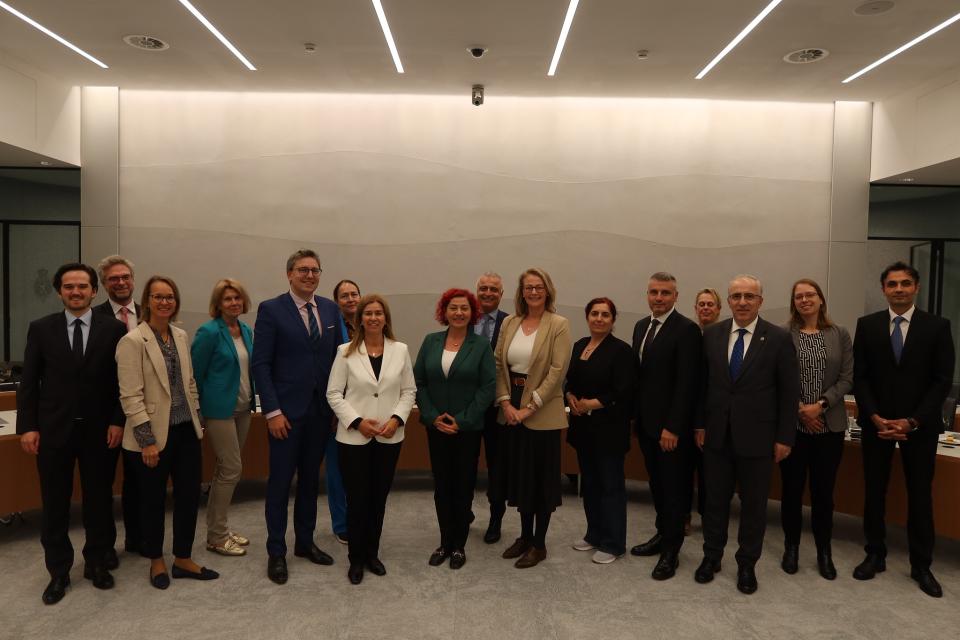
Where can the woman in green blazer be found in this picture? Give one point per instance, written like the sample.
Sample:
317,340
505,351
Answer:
221,364
456,378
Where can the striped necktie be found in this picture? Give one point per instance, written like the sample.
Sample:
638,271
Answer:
314,329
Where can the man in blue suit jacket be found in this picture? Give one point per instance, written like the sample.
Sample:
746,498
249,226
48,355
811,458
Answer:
295,341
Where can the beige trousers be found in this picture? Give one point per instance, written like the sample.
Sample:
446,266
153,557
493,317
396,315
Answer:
227,438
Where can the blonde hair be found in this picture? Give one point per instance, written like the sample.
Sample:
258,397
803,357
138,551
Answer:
219,289
521,304
360,333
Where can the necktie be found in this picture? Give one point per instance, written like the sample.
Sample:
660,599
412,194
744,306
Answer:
314,329
650,336
488,328
736,358
125,317
896,338
78,339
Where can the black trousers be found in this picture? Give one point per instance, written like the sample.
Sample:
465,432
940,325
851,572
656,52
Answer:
492,439
819,456
55,465
453,460
695,468
367,472
129,502
724,470
918,454
604,498
180,461
669,484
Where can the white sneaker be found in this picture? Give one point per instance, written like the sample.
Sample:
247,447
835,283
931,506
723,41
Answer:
583,545
602,557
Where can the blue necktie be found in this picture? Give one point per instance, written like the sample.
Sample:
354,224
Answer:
736,358
314,329
896,338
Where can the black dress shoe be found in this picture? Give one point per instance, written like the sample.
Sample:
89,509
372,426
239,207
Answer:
872,565
825,565
99,576
667,566
355,573
791,559
110,560
56,589
746,579
277,569
708,567
457,559
160,581
492,534
313,554
376,567
438,557
203,574
928,584
649,548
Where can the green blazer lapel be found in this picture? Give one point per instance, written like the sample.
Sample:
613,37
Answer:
225,334
463,354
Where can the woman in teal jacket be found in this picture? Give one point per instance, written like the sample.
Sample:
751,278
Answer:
456,381
221,363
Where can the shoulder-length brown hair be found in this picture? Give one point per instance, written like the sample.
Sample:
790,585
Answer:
145,297
360,333
521,304
220,288
796,320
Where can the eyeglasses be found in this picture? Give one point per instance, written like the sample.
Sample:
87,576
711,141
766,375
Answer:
124,278
746,297
309,271
533,288
810,295
156,297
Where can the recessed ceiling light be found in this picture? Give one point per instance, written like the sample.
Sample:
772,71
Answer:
44,163
147,43
907,179
940,27
564,30
874,8
212,29
740,36
388,36
36,25
806,56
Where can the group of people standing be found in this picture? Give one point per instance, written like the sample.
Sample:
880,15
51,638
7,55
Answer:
714,404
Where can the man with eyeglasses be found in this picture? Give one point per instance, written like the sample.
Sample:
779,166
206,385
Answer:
116,277
489,294
68,412
748,422
295,341
902,372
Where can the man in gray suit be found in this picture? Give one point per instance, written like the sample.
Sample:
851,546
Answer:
749,420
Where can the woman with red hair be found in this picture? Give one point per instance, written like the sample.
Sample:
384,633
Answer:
456,377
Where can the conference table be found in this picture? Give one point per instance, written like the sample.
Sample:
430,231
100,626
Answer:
20,490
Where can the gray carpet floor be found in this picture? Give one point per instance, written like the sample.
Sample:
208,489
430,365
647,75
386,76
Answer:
567,596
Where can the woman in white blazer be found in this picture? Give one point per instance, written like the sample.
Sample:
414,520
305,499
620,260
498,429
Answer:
161,439
372,391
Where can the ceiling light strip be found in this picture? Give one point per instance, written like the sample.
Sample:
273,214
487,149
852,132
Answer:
388,36
943,25
36,25
740,36
212,29
571,11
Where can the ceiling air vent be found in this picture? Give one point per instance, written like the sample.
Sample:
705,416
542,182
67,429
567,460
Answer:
805,56
147,43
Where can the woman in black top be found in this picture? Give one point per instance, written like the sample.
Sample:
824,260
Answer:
600,384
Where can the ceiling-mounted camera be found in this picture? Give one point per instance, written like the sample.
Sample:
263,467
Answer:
477,95
477,52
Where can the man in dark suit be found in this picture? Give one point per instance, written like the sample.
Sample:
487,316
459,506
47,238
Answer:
903,369
68,411
667,346
116,277
295,341
749,406
489,294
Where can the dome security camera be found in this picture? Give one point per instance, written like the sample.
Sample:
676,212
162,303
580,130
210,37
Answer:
477,52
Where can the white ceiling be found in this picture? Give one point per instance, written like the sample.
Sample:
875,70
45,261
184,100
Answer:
433,35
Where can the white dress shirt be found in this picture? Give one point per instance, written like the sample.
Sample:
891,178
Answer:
747,337
905,324
660,320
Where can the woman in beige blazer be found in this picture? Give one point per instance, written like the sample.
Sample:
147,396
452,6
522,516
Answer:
371,390
161,439
532,355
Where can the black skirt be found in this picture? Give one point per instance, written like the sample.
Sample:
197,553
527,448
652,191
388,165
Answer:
530,464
